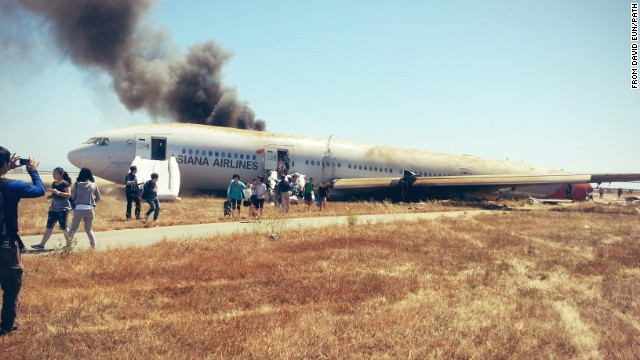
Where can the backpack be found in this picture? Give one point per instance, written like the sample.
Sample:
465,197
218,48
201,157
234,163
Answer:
147,190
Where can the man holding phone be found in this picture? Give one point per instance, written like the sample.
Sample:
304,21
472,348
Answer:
11,246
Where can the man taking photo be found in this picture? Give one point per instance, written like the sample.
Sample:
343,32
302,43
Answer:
11,247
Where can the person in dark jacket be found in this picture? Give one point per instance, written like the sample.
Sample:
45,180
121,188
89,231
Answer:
132,190
150,194
11,268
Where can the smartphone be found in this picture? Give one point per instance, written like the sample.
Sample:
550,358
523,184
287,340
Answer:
24,162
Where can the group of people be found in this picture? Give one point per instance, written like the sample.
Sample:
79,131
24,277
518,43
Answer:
82,197
255,193
239,194
83,194
149,193
65,195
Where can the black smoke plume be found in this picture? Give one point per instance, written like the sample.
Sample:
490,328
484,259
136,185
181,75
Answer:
147,73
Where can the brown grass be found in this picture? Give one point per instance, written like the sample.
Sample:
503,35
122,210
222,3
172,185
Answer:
517,285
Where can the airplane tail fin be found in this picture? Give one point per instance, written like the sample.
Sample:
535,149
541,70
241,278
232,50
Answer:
168,176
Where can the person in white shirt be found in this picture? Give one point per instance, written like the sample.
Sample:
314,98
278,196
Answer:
260,192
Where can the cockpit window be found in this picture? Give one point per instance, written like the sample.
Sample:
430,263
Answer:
100,141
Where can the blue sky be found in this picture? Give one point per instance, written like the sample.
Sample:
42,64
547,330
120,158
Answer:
543,82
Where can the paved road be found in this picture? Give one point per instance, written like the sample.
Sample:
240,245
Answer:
147,236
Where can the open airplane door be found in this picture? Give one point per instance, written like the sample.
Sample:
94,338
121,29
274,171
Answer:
270,158
168,176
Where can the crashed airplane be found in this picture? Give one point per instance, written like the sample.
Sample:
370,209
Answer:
206,157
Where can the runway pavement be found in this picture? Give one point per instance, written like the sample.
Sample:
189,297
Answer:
147,236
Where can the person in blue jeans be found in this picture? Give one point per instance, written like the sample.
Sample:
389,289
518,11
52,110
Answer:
11,246
150,194
132,192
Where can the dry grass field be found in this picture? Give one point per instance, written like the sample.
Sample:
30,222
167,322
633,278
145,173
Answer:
520,284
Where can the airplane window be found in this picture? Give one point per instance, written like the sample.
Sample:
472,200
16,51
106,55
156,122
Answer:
339,165
229,155
222,154
235,156
190,151
359,167
242,156
375,168
333,164
184,151
349,166
197,152
217,154
210,153
90,141
254,157
104,142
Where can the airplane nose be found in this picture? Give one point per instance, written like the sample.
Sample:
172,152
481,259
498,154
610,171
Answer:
76,157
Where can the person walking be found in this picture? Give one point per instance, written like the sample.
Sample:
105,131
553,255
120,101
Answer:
132,190
309,186
11,246
234,195
150,195
85,194
323,193
60,206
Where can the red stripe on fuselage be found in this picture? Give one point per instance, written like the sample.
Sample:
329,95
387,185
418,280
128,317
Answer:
580,192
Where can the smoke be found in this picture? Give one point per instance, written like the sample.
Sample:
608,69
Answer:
147,73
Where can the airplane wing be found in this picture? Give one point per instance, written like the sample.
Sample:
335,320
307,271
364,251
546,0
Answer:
478,182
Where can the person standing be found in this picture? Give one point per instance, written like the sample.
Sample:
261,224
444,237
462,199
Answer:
287,163
284,188
150,194
132,190
234,194
323,194
85,194
11,246
60,206
260,193
308,192
281,169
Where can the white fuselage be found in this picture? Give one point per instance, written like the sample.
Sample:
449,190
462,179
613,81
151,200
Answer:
208,156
